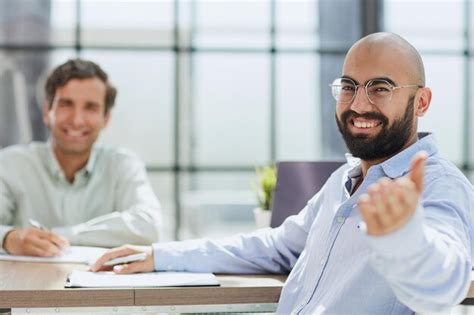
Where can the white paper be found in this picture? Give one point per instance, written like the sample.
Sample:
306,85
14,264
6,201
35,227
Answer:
86,279
72,254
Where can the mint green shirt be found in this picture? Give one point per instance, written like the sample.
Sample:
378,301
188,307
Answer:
109,203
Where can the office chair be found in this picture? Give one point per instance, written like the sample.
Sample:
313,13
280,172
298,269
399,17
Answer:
296,183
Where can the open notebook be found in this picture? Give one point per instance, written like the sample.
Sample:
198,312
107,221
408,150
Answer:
108,279
70,255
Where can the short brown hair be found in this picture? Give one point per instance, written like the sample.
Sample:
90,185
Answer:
78,69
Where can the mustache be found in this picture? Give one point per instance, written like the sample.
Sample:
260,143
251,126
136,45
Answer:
350,114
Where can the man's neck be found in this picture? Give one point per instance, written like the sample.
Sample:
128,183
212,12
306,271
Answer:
71,163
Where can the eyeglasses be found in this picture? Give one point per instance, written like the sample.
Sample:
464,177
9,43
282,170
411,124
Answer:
378,91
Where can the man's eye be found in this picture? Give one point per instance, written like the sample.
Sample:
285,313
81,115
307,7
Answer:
92,107
381,90
347,88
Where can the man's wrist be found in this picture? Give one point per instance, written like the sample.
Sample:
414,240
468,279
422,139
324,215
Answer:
5,239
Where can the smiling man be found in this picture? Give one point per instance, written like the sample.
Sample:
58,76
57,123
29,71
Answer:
389,233
69,190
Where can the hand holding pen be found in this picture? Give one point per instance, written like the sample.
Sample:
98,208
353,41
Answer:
34,241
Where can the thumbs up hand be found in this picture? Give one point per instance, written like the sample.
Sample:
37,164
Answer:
389,204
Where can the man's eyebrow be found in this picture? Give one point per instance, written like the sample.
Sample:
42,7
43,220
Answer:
376,79
65,100
385,79
92,103
349,78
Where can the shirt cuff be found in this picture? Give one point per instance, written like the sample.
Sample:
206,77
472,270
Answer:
3,231
406,241
174,256
68,232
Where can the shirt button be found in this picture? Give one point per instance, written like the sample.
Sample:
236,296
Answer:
322,262
340,219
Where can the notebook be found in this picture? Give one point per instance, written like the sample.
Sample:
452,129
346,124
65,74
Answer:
108,279
70,255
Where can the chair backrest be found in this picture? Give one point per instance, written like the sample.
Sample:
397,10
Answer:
296,183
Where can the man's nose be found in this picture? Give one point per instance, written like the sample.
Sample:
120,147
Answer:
361,104
78,118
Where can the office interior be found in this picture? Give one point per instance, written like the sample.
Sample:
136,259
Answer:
208,90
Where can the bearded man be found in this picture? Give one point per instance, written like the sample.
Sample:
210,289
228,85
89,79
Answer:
389,233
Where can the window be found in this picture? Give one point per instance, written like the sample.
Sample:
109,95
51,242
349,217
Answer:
207,90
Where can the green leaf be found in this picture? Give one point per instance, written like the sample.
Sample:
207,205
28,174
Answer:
265,186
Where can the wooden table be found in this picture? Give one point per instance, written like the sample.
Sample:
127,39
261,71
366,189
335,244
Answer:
34,287
39,288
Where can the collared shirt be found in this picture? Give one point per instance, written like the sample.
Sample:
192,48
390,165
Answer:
109,203
336,268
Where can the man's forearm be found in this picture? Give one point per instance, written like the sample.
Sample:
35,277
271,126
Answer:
139,227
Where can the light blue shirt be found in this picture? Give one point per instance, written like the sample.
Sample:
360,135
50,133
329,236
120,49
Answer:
336,268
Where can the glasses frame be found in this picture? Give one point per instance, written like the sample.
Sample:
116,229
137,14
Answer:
357,86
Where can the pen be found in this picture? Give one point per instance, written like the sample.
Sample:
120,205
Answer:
36,224
126,259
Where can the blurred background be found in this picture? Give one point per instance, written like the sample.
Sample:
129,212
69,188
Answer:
210,89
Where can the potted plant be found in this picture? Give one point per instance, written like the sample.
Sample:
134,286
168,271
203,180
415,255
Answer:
266,182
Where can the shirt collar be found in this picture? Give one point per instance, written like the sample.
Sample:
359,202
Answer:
56,170
399,164
92,160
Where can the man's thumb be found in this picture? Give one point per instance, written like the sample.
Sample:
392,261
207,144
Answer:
417,170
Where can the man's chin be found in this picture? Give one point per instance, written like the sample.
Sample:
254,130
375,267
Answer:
359,136
75,149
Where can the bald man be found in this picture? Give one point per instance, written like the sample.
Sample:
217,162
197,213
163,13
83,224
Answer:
390,231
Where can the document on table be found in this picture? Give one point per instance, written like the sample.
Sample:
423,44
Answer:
108,279
71,255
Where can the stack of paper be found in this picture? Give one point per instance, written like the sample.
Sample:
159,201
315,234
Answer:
71,255
86,279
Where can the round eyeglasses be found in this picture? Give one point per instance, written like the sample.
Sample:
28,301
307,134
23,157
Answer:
378,91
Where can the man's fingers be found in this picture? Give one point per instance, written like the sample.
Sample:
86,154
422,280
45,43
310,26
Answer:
39,239
60,241
130,268
380,213
417,170
44,248
111,254
33,250
392,201
409,194
368,213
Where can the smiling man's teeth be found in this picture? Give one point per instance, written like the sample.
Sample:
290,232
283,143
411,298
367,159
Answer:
360,124
74,133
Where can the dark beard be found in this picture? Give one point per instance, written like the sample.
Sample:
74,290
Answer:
387,143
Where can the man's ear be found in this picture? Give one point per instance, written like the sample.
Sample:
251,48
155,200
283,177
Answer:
423,95
46,113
